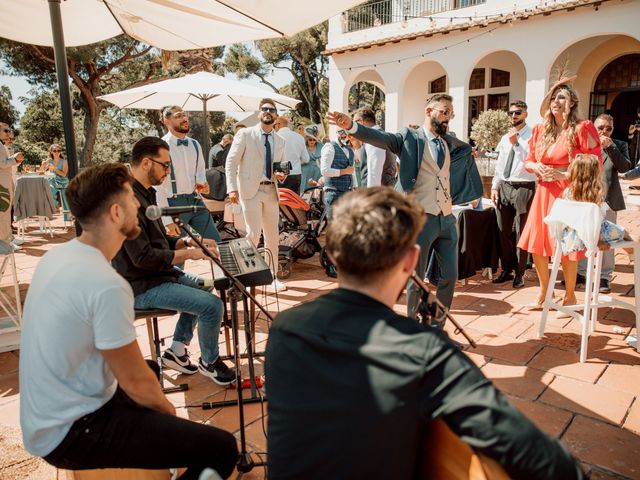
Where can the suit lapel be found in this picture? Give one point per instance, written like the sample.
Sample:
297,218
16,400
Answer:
421,144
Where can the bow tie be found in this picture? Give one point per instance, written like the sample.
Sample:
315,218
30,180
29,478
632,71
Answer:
184,142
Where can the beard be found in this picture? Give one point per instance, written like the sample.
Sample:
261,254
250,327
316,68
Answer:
182,129
515,123
153,180
439,127
131,232
267,119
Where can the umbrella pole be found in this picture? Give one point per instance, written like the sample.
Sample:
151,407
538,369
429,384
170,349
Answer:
205,140
63,85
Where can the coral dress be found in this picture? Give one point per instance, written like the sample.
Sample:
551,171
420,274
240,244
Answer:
535,236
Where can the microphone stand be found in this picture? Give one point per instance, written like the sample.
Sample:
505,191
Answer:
432,310
237,291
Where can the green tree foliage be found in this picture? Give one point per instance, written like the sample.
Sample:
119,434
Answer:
8,114
301,56
490,127
367,95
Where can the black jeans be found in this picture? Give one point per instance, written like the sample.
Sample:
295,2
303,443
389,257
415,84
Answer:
123,434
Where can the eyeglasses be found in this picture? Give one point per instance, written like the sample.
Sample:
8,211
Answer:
515,112
56,150
342,132
166,166
446,112
268,109
604,128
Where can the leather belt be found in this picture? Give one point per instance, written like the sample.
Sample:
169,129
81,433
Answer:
266,183
521,184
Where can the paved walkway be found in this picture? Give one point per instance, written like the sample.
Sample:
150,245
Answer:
593,407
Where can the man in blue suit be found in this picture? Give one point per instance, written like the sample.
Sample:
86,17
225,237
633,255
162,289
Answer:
439,170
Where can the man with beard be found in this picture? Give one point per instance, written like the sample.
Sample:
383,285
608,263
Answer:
251,180
149,262
187,176
87,398
512,190
7,162
439,170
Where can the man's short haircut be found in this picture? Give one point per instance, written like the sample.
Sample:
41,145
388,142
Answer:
371,230
227,136
284,121
265,101
147,147
604,116
92,193
519,104
438,97
240,125
169,110
367,115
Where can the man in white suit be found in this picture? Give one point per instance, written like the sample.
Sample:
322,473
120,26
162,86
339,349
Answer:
251,179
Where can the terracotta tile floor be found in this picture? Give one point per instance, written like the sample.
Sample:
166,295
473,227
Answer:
593,407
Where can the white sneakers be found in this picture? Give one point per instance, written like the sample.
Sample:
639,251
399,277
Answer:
277,286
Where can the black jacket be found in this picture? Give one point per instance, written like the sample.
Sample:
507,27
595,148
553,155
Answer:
615,159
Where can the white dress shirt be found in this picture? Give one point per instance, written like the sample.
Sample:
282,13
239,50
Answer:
375,162
521,149
295,150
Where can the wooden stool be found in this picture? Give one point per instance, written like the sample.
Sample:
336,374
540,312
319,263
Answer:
114,474
151,318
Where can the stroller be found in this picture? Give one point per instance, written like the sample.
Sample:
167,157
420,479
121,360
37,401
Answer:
301,222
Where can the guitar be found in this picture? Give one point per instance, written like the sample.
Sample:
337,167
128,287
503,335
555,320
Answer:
446,457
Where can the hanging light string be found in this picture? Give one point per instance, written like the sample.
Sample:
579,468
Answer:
423,55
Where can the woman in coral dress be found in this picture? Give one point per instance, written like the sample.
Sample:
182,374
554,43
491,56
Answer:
552,146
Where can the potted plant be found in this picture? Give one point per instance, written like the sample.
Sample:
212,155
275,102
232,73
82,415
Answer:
487,132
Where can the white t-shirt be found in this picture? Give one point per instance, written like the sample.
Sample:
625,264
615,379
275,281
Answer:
76,305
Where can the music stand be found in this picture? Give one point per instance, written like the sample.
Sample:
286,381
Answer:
236,292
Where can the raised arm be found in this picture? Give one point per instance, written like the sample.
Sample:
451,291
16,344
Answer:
378,138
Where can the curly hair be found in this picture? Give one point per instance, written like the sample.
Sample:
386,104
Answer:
585,179
552,130
371,231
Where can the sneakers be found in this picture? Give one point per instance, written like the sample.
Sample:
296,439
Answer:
17,241
605,286
277,286
217,371
182,364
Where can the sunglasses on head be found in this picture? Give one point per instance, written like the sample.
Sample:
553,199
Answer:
268,109
515,112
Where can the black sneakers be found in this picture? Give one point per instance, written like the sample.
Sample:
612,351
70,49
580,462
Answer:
181,364
217,371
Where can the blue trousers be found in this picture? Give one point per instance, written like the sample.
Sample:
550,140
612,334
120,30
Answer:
201,222
439,232
196,304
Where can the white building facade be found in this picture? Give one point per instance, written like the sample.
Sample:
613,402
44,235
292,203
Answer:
487,54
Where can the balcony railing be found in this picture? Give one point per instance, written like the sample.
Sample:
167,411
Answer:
374,14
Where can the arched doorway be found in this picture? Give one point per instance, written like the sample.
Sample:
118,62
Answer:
617,92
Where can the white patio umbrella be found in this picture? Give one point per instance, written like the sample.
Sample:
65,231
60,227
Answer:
166,24
198,91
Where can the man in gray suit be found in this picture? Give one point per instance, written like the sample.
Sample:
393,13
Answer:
439,171
615,159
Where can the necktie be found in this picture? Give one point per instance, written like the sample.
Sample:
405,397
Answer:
507,168
439,152
183,141
267,147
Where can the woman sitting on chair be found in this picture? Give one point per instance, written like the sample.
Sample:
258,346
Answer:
58,165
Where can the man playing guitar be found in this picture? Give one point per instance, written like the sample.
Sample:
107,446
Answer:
353,386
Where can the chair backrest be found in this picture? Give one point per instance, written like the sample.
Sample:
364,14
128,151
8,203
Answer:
584,217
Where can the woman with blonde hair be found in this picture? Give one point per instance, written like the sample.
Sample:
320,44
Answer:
57,164
552,147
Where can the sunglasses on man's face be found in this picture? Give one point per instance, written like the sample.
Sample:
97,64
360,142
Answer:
515,112
166,166
342,132
268,109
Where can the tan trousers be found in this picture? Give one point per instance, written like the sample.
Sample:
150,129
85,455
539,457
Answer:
6,180
261,214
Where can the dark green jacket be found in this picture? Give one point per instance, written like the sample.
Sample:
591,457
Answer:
409,144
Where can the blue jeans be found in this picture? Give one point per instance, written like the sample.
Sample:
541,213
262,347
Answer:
200,221
439,232
330,197
65,206
196,304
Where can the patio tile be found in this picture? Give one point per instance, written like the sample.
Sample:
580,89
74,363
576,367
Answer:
567,364
549,419
513,351
603,403
604,445
479,360
492,324
612,349
10,414
518,380
9,387
9,362
621,377
632,422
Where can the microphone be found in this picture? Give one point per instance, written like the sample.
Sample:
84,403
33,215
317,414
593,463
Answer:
154,212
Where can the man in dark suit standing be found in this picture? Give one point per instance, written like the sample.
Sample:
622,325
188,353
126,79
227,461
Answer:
439,170
615,159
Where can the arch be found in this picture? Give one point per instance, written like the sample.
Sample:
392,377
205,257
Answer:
418,84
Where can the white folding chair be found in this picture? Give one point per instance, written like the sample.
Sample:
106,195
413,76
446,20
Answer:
11,319
586,219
